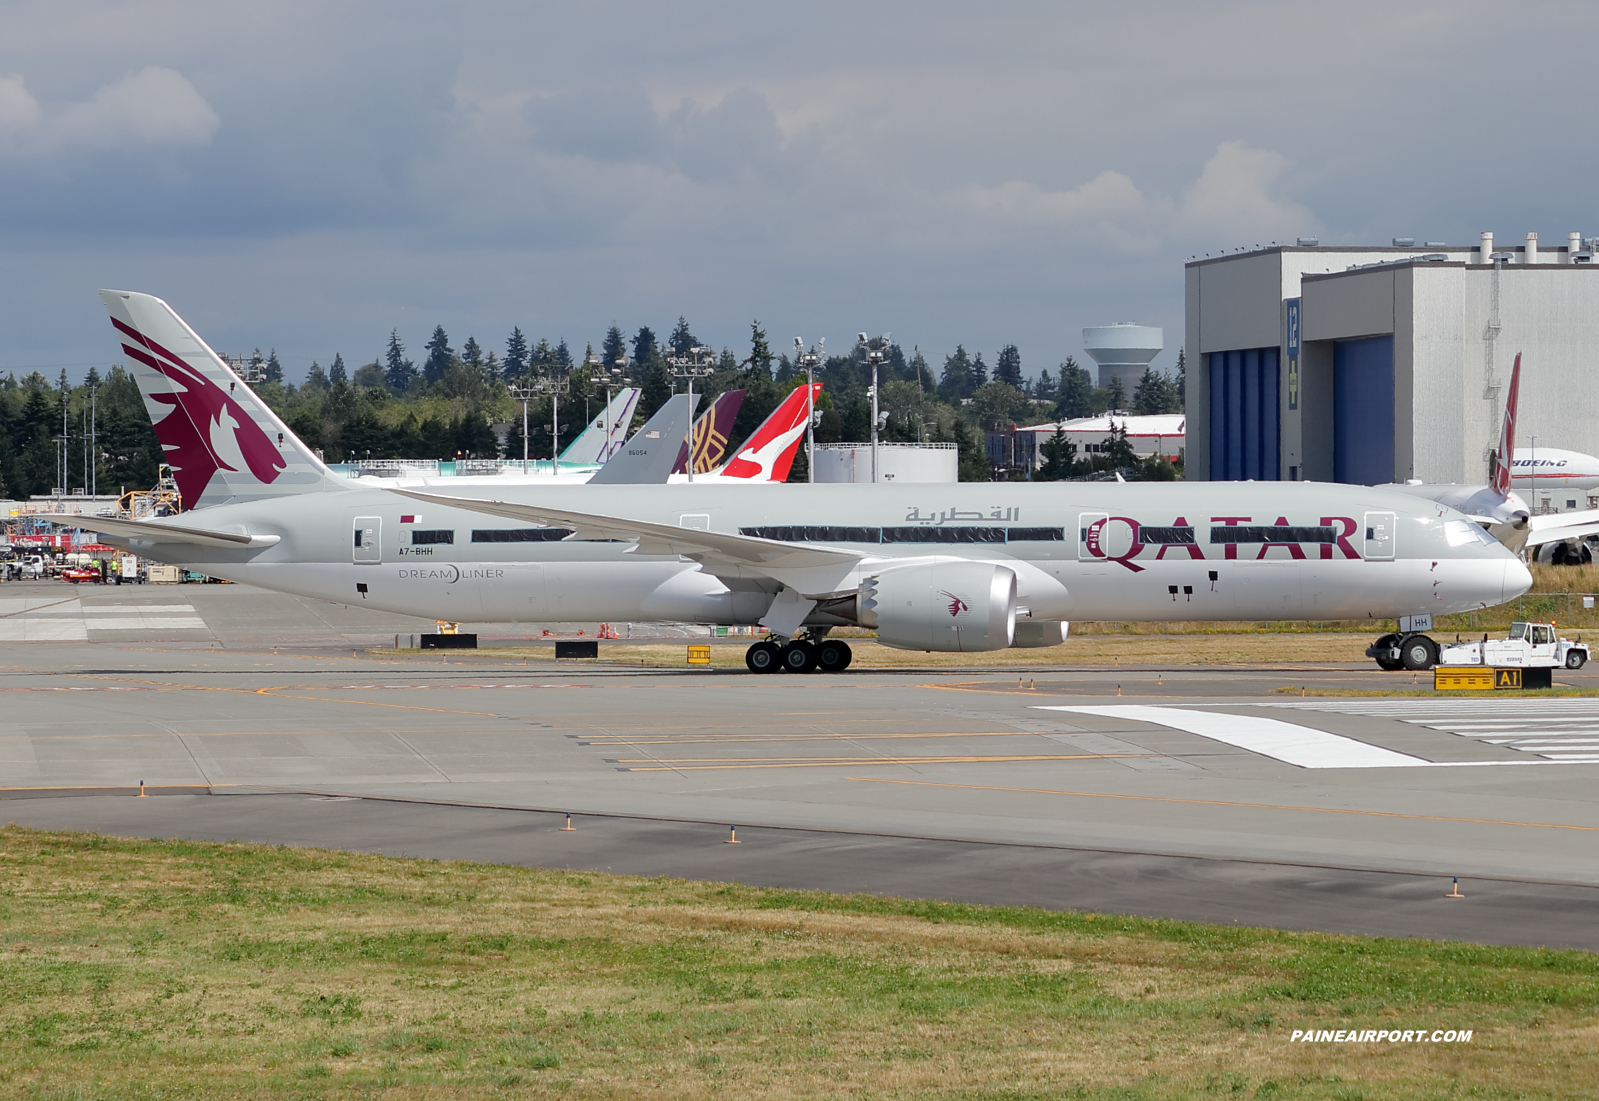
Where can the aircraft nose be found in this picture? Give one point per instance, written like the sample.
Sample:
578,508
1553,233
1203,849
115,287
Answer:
1518,578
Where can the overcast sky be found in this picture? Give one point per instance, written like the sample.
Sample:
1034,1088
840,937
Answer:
310,175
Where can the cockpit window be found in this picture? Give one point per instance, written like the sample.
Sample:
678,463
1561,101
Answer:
1461,532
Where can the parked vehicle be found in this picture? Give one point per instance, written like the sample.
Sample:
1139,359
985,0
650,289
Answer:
1528,646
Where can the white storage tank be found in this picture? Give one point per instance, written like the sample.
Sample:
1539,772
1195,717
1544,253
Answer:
1123,350
896,462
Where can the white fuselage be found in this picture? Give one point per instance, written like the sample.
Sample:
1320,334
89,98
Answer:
1087,551
1545,468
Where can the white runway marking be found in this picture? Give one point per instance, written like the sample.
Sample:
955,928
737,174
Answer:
1553,730
142,617
1295,745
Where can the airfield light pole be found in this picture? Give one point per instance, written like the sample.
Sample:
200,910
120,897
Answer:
609,378
523,393
810,361
698,363
876,357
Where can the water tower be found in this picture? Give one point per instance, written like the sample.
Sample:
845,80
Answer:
1123,350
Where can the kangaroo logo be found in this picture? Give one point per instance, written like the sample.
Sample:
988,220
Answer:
213,431
956,604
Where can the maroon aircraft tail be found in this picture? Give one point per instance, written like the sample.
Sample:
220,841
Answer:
711,434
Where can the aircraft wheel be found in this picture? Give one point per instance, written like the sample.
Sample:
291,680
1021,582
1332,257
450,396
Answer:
833,656
763,657
1418,652
799,656
1576,659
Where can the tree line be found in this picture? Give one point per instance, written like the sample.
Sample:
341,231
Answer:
455,403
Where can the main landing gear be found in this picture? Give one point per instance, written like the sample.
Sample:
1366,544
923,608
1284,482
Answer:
1393,652
798,656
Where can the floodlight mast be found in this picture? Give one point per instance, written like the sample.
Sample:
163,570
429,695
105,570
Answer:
876,356
810,361
610,378
698,363
524,392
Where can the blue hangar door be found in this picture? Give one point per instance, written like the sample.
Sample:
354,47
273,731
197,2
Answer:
1363,411
1244,440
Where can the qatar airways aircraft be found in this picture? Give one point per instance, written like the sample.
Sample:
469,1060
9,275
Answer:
965,567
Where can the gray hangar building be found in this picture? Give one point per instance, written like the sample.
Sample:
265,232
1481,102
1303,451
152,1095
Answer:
1372,365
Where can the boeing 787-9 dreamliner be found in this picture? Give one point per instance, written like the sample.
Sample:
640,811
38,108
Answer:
964,567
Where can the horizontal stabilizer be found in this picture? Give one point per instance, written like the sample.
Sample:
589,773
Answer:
160,531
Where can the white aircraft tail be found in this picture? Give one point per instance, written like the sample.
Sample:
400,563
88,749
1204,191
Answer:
221,441
607,433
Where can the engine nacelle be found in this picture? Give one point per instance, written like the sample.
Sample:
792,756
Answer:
950,604
1040,632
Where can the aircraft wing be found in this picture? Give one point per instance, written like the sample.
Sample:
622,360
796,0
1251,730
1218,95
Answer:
159,531
808,568
1557,527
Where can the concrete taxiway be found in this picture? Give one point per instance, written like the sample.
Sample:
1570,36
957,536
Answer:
1201,793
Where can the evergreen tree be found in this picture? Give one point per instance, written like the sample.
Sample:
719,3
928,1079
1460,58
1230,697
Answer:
274,369
471,354
439,356
399,372
1076,392
643,346
956,381
979,372
338,372
1118,394
515,355
1059,454
761,357
1118,453
1182,381
612,347
920,372
1044,388
681,339
541,360
1154,394
316,378
563,357
897,366
1008,368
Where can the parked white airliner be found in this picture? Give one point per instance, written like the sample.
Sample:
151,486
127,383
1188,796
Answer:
976,566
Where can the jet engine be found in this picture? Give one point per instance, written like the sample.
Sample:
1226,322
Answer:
951,605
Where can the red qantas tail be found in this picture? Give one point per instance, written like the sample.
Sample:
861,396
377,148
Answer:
1507,436
768,454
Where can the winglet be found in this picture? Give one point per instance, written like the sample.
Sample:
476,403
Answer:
1507,436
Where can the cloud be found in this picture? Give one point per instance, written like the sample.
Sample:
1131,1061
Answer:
1234,197
618,125
152,108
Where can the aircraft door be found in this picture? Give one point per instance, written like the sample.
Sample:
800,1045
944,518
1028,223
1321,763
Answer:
1090,531
1380,532
367,546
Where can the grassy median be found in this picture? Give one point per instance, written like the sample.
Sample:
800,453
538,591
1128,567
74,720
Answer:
149,969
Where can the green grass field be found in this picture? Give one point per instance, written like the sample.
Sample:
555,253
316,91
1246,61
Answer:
145,969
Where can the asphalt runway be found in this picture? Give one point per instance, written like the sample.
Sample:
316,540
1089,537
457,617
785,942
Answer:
1205,793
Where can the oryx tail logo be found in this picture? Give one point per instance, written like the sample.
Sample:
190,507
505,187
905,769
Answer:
204,429
956,604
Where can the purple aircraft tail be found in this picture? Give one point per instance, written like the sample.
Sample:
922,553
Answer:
711,434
